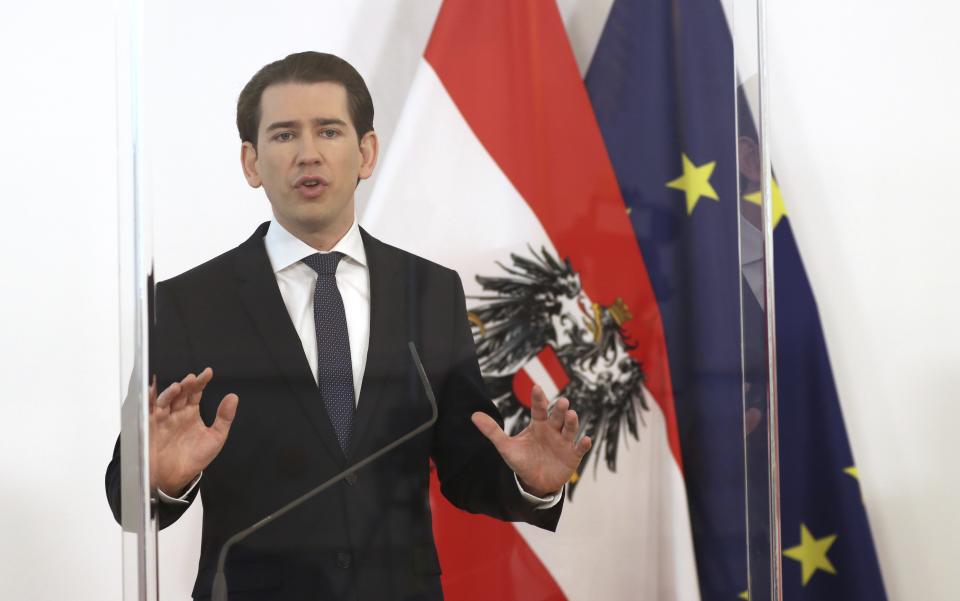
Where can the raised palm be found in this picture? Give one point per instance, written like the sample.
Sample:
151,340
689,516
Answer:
181,445
547,452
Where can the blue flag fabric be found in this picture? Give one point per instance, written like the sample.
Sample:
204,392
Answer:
661,87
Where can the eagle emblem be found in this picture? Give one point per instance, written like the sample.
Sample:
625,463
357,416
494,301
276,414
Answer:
535,325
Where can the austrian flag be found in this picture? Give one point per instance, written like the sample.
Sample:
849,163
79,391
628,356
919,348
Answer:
499,157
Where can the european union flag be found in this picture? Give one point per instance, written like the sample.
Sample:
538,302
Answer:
661,83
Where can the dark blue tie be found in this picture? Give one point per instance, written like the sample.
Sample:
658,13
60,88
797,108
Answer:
334,367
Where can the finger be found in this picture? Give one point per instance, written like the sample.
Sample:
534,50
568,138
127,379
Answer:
571,426
558,412
538,404
202,380
583,445
226,412
188,382
152,397
166,397
204,377
187,385
491,429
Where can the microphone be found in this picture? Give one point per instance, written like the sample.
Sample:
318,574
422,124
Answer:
219,592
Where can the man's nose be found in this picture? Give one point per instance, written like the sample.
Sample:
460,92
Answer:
309,152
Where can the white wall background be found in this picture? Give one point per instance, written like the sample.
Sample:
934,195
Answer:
864,97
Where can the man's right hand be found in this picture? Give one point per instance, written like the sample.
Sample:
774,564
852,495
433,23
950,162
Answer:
181,445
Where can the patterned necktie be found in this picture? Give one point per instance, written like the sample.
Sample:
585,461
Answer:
334,367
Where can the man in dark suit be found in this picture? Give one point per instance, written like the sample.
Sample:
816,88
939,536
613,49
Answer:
308,322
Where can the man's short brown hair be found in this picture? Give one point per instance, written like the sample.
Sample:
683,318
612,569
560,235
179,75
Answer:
304,67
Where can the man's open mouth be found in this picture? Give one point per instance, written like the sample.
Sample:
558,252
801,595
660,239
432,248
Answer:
310,182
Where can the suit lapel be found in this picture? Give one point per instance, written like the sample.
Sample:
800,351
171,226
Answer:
387,330
261,298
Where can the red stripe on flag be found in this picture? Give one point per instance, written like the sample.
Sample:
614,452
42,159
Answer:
484,559
550,361
509,68
523,387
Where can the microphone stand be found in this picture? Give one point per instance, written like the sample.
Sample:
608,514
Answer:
219,592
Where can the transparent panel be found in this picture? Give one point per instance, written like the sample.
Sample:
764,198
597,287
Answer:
756,221
128,477
585,189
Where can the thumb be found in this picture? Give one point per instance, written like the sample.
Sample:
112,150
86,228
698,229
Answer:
225,414
489,428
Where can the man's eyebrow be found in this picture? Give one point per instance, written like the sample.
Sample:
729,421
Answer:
283,125
328,121
319,121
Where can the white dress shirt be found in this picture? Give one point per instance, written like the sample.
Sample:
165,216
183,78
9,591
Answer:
297,280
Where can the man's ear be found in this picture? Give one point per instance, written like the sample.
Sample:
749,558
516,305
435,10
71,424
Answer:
248,160
369,150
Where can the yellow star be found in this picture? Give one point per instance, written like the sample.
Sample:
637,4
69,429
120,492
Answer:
695,182
852,471
779,209
812,553
745,595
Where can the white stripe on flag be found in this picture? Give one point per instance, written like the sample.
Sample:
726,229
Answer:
440,194
541,377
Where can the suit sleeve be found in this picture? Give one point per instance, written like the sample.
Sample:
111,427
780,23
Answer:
171,363
472,474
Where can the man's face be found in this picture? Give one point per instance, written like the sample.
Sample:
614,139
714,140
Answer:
308,158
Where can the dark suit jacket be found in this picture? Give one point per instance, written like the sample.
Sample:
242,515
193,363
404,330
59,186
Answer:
369,538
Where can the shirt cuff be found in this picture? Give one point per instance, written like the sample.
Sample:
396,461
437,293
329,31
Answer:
540,502
182,499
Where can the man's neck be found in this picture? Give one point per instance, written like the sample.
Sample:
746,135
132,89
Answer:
323,239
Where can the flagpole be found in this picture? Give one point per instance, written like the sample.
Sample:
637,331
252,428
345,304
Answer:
773,428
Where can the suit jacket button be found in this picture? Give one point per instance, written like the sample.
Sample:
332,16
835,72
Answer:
343,560
351,478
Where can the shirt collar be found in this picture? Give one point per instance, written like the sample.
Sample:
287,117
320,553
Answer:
284,249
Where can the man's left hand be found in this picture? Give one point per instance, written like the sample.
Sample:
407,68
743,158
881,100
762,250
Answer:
546,453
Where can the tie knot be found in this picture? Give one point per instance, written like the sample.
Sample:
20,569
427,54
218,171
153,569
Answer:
324,263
